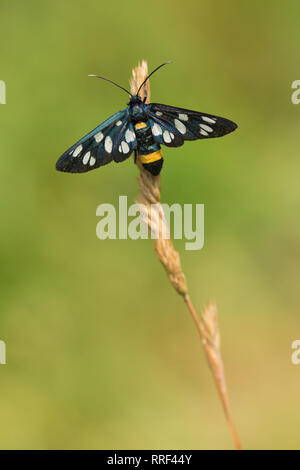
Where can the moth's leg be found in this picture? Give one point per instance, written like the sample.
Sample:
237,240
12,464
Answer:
146,95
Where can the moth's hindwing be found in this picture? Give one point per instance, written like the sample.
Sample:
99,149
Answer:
124,142
114,139
172,126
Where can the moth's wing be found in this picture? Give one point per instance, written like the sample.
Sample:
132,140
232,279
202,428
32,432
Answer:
172,126
124,141
105,143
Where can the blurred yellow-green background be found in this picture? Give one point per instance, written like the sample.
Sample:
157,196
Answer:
101,351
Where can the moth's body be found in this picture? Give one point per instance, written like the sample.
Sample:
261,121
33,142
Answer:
141,128
147,150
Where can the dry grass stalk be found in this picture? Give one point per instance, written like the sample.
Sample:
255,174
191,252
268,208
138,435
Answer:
149,195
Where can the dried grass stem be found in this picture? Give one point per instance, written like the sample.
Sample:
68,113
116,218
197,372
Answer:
207,325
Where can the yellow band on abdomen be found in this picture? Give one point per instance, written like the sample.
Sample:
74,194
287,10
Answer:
151,157
140,125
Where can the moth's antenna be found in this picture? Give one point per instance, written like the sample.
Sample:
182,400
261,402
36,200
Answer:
148,76
114,83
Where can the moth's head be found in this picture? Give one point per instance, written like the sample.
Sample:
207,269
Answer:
136,107
135,100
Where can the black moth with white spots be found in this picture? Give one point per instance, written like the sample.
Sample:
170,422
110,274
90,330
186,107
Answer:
142,128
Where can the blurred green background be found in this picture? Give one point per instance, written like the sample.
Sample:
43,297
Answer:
101,351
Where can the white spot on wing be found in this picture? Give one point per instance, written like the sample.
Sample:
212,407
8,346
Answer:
86,158
118,123
120,149
167,137
156,129
207,119
129,136
183,117
180,126
92,161
158,113
77,151
98,137
108,144
203,132
206,128
125,147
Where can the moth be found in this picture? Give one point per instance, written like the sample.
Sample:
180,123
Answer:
141,128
